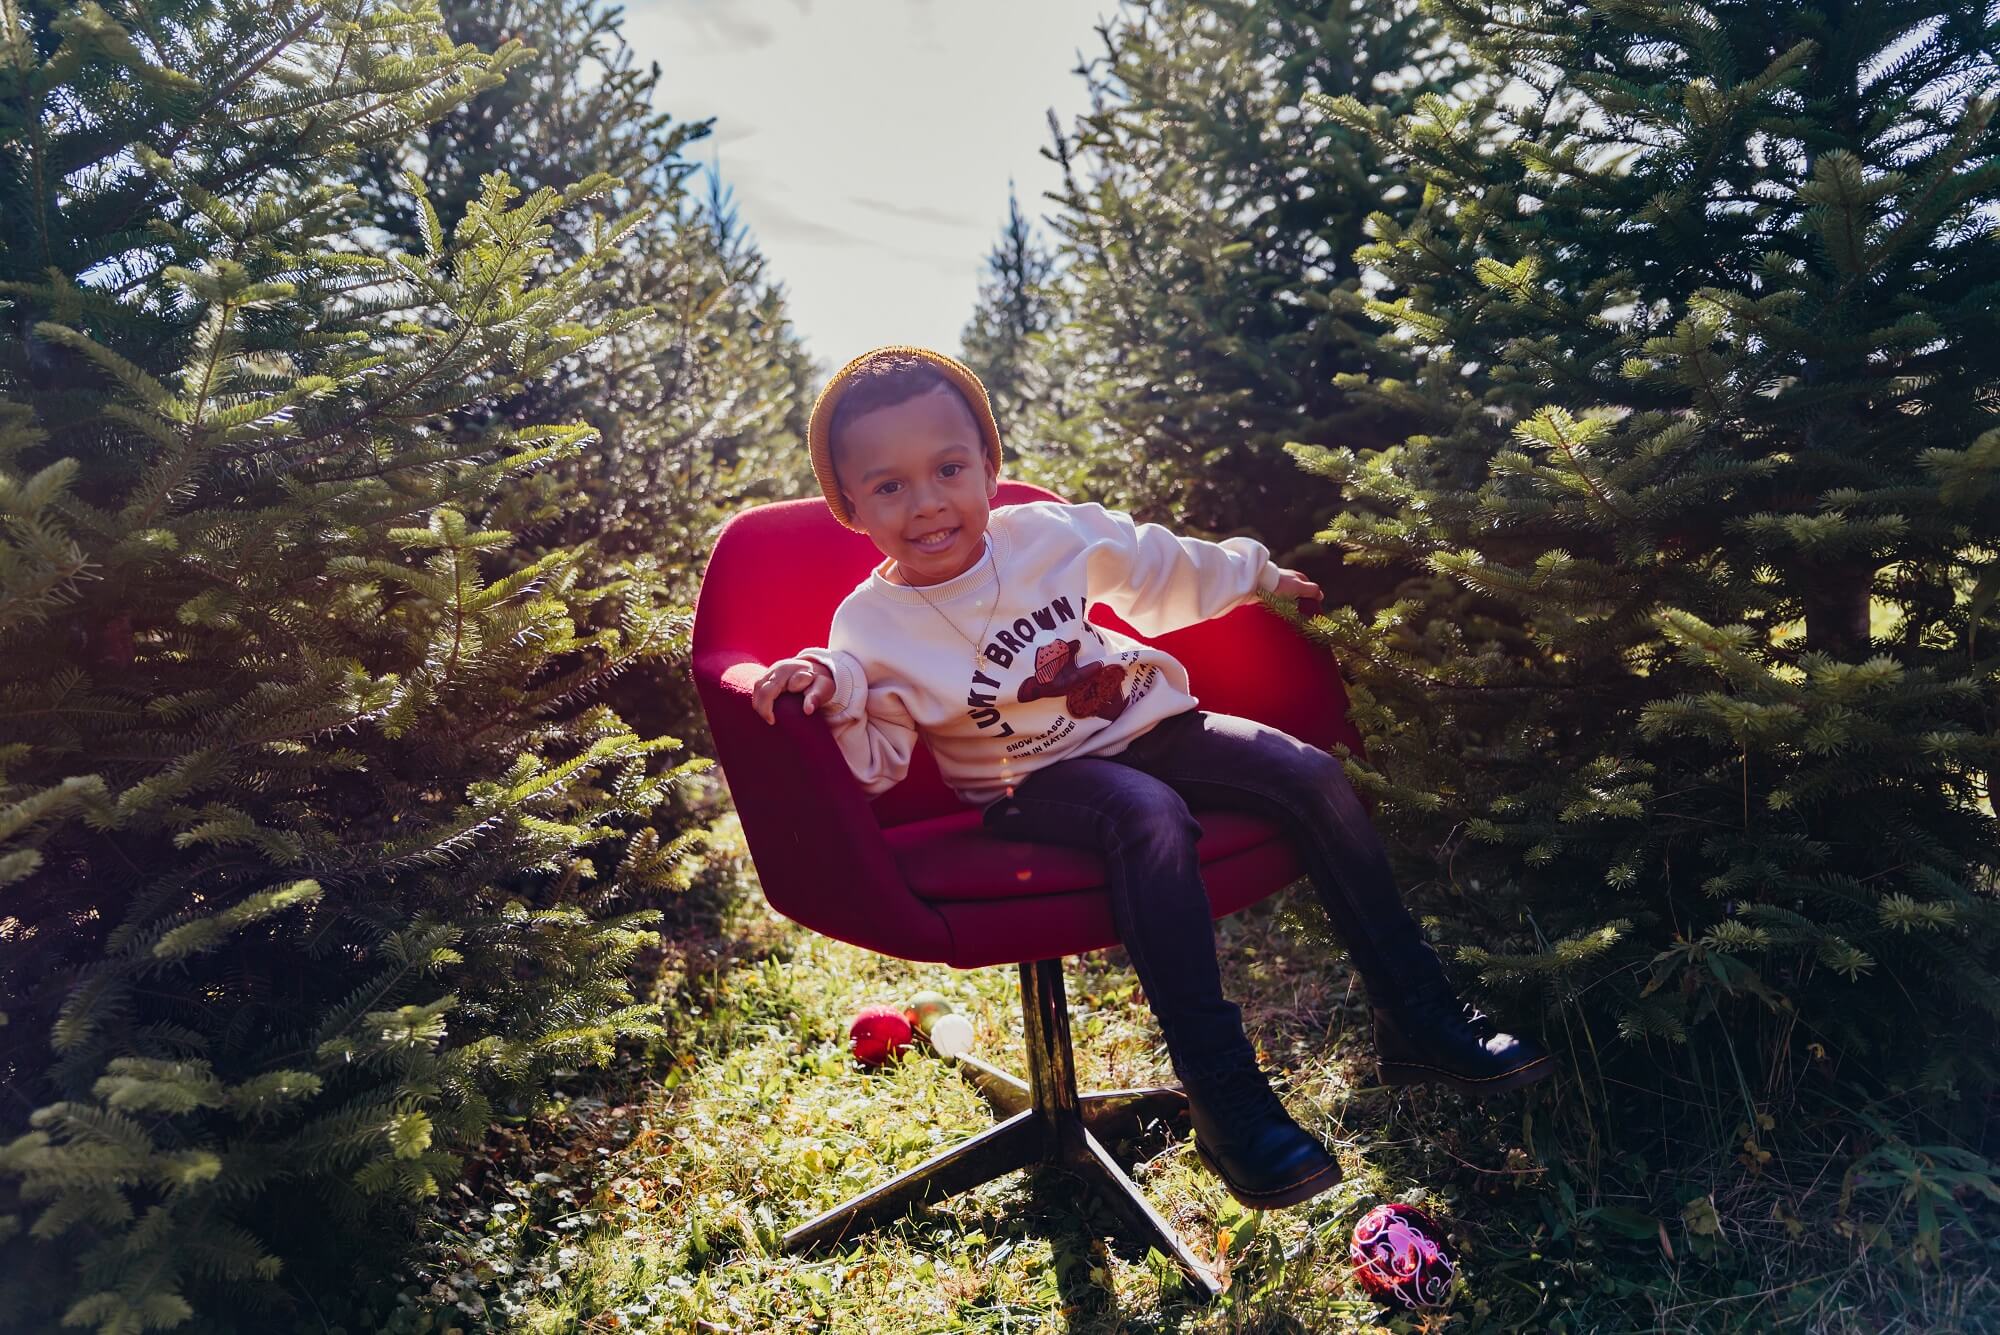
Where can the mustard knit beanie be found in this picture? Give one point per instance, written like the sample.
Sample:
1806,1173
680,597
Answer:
819,437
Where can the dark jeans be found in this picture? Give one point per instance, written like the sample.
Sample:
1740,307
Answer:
1133,809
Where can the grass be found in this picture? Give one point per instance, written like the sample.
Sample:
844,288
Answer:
656,1202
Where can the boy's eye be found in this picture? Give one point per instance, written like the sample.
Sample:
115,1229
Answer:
885,488
951,469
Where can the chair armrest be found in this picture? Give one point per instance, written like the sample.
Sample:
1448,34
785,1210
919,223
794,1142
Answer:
819,852
1252,662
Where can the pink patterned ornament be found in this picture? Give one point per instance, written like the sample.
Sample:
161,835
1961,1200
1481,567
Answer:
1399,1255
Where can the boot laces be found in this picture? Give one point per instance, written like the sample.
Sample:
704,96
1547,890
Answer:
1480,1022
1242,1092
1443,1007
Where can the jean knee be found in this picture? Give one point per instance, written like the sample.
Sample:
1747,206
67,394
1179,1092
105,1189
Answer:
1317,779
1159,823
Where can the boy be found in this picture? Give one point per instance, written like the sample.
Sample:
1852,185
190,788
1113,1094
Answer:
971,635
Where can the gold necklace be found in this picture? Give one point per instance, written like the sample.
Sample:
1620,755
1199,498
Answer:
976,655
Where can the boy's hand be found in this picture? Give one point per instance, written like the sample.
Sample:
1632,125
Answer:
792,674
1293,585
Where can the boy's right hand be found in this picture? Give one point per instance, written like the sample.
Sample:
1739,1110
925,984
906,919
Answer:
792,674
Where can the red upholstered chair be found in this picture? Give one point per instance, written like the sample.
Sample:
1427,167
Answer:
913,874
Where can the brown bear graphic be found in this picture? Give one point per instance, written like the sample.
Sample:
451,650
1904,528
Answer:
1097,691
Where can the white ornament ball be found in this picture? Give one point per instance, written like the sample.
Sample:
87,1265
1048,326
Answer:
951,1035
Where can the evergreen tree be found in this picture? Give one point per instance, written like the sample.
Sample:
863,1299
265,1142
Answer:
1016,302
696,411
313,841
1694,707
1215,308
700,409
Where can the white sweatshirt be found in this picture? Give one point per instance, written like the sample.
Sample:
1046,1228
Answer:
1046,683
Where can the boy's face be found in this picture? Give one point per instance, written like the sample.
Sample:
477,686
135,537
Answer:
916,477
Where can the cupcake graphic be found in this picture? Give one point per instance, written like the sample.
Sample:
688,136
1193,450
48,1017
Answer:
1095,691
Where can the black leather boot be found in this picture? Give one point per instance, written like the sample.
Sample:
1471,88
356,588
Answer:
1436,1039
1245,1136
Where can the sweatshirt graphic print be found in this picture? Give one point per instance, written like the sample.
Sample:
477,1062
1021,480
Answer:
1045,683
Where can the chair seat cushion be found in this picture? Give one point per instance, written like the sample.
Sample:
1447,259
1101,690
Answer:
954,858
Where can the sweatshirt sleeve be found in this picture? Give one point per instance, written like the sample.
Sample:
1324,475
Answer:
1159,581
872,726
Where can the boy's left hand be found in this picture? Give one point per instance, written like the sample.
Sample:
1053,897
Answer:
1293,585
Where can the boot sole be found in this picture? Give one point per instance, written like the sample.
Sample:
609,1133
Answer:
1304,1189
1416,1073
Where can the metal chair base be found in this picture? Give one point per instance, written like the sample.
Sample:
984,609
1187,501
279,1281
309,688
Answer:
1043,1121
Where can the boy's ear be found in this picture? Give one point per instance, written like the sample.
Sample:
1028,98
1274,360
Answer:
992,480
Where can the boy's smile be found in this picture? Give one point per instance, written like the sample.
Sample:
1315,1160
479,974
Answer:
916,478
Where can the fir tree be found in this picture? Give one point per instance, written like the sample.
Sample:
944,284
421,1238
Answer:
695,412
1017,301
1206,237
700,409
1694,707
313,840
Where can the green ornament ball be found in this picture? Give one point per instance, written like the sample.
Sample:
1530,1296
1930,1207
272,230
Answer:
926,1007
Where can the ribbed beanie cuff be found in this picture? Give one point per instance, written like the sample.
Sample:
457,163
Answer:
819,438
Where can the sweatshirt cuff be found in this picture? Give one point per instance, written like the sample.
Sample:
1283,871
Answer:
1267,579
847,692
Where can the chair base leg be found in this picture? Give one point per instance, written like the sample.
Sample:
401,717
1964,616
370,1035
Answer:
1118,1191
1007,1093
1112,1113
994,1152
1043,1120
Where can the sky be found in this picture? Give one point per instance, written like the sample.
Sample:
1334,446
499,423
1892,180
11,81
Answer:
867,144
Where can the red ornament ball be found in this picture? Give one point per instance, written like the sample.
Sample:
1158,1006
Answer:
877,1033
1399,1256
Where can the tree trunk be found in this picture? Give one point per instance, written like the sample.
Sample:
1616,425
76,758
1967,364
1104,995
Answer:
1836,605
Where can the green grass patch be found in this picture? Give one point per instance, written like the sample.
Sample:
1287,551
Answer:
655,1203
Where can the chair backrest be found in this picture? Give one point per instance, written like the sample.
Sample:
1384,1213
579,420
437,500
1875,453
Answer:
778,571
